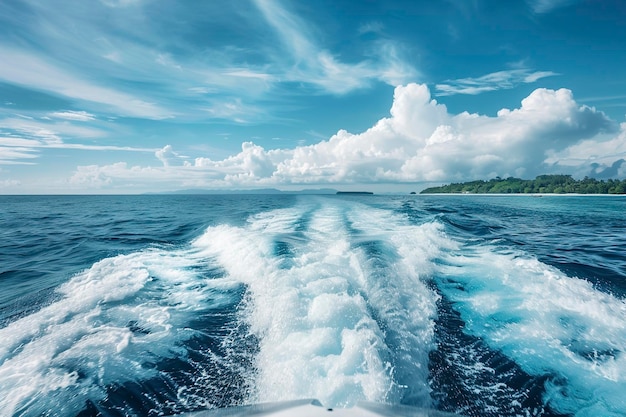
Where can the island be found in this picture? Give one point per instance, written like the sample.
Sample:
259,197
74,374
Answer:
543,184
355,192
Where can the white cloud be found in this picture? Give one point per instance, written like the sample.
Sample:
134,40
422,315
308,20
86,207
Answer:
13,155
420,141
168,157
80,116
588,152
121,175
109,60
500,80
233,109
19,142
314,65
537,75
248,73
32,71
10,183
94,176
252,164
27,139
43,132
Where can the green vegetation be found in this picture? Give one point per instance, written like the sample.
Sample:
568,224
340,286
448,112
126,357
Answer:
543,184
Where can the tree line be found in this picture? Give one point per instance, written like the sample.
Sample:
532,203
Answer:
543,184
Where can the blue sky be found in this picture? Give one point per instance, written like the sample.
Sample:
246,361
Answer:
129,96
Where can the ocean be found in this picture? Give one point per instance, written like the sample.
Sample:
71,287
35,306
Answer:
153,305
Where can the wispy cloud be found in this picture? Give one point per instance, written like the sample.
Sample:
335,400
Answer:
32,71
290,28
371,27
129,69
81,116
500,80
50,131
25,139
14,154
605,98
313,64
235,110
546,6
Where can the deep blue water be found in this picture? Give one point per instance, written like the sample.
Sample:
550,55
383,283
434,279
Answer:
155,305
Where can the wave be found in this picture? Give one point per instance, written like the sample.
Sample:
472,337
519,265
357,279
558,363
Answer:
342,314
548,323
328,299
111,325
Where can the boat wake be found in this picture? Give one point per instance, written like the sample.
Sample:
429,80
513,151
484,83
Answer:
328,299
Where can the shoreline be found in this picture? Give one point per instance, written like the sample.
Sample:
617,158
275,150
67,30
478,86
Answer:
525,194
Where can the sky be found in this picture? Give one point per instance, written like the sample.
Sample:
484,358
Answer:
134,96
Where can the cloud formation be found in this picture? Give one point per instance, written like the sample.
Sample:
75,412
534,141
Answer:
314,65
128,69
420,141
23,138
32,71
79,116
500,80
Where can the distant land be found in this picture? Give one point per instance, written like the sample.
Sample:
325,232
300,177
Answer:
251,191
543,184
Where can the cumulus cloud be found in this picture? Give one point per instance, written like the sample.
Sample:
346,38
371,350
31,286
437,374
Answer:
167,156
420,141
594,157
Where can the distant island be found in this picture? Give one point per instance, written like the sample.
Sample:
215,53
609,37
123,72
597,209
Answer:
355,192
543,184
253,191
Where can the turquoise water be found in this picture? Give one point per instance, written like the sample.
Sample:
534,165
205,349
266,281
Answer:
153,305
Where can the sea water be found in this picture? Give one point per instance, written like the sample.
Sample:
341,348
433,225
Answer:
160,304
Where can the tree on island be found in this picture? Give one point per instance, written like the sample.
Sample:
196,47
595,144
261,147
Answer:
543,184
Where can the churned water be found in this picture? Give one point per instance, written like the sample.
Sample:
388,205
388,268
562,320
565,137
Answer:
154,304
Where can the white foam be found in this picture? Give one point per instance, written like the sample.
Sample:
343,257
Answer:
332,323
305,351
317,336
398,291
548,323
70,350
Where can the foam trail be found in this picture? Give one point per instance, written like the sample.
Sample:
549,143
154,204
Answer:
547,322
316,338
324,300
396,259
109,325
317,305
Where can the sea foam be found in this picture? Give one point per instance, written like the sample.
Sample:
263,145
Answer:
327,299
109,325
348,318
547,322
